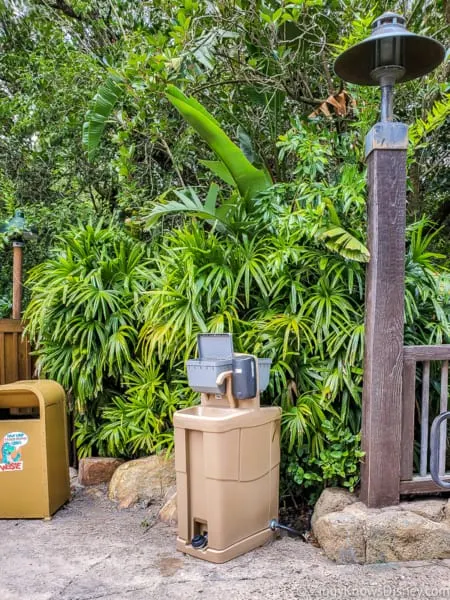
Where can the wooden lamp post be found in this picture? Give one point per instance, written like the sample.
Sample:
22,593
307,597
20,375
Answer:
390,55
17,232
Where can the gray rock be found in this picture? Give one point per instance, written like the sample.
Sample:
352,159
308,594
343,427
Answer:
332,500
342,536
447,512
391,508
169,513
359,509
404,535
144,479
433,509
416,530
73,476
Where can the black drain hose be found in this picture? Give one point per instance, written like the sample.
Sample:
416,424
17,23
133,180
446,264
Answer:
274,525
199,541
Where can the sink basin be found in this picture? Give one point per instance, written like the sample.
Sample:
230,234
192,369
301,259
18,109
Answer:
211,412
216,418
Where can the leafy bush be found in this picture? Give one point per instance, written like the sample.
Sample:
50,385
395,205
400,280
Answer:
115,326
138,422
85,312
84,318
336,465
5,307
282,270
279,266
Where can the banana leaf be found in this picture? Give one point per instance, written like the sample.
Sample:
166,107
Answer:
105,100
249,180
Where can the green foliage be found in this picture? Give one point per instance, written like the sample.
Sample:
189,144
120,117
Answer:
427,301
234,164
338,464
141,422
104,102
84,320
189,203
248,179
138,422
435,118
275,255
346,244
5,307
264,271
269,277
85,314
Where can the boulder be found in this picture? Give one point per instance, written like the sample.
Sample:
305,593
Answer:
332,500
413,530
96,470
404,535
73,477
359,509
433,509
169,514
142,480
447,512
342,536
128,501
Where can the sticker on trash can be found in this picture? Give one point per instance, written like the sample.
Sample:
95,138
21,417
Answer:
11,456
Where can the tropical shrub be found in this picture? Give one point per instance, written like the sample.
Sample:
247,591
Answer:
5,307
336,465
276,254
282,269
139,421
84,320
85,312
84,315
254,65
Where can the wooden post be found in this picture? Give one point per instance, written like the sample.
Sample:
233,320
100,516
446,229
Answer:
17,279
386,147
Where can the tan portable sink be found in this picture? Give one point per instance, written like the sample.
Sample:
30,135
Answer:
227,456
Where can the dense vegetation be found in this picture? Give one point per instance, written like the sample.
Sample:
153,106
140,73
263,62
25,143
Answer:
182,231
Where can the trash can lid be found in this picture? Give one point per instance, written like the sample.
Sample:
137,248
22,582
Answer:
46,391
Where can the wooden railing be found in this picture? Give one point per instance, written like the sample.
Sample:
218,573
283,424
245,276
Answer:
15,359
421,482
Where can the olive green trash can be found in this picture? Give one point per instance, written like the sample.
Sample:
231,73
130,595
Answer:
34,462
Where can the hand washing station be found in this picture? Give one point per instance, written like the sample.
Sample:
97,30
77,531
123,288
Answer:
227,454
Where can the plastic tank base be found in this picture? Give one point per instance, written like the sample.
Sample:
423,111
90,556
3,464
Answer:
227,465
222,556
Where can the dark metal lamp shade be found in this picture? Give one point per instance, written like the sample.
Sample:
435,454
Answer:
417,54
17,227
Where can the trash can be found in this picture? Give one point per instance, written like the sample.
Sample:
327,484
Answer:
34,462
227,455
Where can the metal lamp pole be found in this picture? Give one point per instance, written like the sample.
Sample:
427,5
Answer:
17,279
390,55
16,229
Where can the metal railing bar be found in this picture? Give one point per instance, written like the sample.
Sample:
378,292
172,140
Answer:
424,421
443,408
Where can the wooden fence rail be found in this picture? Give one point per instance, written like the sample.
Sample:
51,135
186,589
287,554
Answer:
15,359
421,482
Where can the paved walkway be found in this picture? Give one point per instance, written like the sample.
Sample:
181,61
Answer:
91,550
